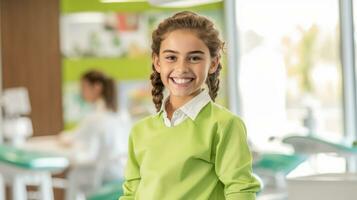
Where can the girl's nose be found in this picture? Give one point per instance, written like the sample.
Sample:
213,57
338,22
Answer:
182,65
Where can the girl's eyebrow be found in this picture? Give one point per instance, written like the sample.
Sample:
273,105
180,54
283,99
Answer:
169,51
196,52
176,52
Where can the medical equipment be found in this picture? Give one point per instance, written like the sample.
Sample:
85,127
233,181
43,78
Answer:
327,186
20,168
323,186
2,188
313,145
16,125
273,168
110,191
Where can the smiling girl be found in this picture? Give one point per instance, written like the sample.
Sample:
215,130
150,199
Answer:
192,149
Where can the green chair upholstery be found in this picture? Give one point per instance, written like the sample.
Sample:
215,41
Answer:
31,160
110,191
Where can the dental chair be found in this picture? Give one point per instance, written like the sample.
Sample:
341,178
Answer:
273,168
110,191
20,168
327,186
313,145
2,188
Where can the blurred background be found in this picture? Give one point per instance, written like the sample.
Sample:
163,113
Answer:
289,72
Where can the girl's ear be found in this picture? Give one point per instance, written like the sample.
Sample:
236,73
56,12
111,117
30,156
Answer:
214,65
156,62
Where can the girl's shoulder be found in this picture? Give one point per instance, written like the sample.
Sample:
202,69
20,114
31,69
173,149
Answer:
226,121
216,114
217,111
146,123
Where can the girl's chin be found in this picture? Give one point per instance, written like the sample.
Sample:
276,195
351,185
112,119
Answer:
182,93
177,93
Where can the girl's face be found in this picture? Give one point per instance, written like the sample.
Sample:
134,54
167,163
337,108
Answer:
184,63
90,92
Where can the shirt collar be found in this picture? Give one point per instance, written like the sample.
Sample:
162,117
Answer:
193,107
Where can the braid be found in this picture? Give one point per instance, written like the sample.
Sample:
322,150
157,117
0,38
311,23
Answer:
157,89
213,82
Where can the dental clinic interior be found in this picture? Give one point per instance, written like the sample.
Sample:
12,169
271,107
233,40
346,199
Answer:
289,72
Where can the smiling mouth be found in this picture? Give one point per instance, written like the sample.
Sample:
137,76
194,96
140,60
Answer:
181,81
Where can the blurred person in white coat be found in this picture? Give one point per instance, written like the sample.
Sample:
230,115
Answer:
99,143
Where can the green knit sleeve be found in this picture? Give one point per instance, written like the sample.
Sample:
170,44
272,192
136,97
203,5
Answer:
233,162
132,174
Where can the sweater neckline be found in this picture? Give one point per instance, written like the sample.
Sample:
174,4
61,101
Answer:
162,123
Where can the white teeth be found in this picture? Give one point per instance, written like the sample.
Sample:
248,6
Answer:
182,80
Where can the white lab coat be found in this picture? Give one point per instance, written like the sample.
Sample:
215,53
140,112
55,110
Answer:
100,146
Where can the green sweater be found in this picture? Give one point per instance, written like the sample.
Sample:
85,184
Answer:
204,159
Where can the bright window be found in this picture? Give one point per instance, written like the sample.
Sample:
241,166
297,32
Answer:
290,76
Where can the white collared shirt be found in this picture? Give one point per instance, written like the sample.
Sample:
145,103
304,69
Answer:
190,109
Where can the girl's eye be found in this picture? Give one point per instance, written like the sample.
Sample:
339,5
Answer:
194,59
170,58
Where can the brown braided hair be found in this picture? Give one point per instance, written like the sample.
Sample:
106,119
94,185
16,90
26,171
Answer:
205,30
109,92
